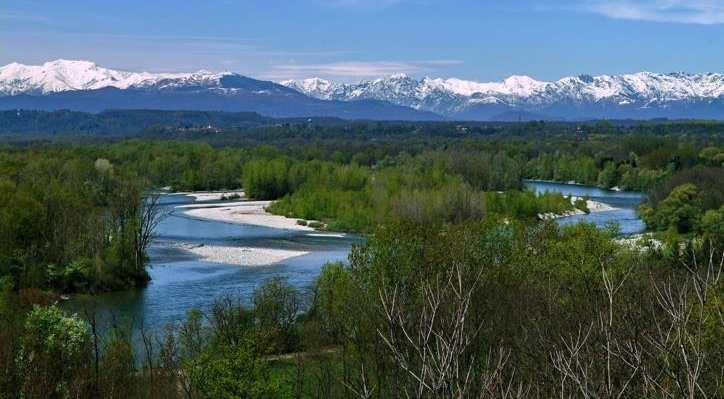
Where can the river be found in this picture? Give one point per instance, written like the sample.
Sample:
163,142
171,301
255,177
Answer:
181,280
624,203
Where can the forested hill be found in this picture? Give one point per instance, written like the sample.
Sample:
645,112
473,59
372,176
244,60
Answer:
120,122
123,123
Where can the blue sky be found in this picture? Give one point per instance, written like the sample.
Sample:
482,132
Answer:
350,40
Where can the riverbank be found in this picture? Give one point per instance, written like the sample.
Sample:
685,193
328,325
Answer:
243,212
239,256
592,206
206,196
232,207
573,183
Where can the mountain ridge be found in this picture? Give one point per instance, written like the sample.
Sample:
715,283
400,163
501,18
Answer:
85,86
645,93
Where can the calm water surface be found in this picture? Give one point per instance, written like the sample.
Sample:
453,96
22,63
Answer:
625,202
181,280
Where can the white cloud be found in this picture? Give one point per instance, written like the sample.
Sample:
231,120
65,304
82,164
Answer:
706,12
357,70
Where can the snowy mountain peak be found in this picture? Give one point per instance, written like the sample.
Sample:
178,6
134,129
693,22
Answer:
636,95
68,75
520,80
315,87
309,84
454,96
55,76
63,63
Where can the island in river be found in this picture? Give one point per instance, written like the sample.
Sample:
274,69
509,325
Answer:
620,207
207,247
196,259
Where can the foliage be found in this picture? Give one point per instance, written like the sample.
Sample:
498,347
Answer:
73,225
712,225
681,210
234,373
53,349
276,307
457,275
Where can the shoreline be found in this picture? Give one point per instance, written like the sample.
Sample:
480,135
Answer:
239,256
593,207
616,189
209,206
209,196
216,206
243,212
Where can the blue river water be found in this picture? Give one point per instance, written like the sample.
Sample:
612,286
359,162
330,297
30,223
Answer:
181,280
625,204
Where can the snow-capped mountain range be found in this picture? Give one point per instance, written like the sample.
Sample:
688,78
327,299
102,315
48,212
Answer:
571,97
85,86
66,75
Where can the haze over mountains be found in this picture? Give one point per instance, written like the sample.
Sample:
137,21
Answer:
84,86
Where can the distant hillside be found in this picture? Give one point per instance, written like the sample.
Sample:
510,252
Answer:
24,124
122,122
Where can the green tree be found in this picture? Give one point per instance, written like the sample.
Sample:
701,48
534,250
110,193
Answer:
334,291
608,177
712,225
712,156
235,372
681,210
54,350
276,307
267,178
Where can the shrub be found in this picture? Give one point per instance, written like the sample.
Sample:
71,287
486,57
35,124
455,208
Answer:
54,349
316,225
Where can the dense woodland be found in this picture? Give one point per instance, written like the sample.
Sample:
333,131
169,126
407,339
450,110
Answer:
459,290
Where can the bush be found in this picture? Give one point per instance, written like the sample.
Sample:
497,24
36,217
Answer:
276,307
235,372
712,226
581,204
315,225
681,210
267,179
54,350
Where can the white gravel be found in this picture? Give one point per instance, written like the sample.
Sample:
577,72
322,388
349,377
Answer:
244,212
242,256
241,212
593,206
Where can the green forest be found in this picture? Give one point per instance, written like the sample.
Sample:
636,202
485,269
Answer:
460,288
